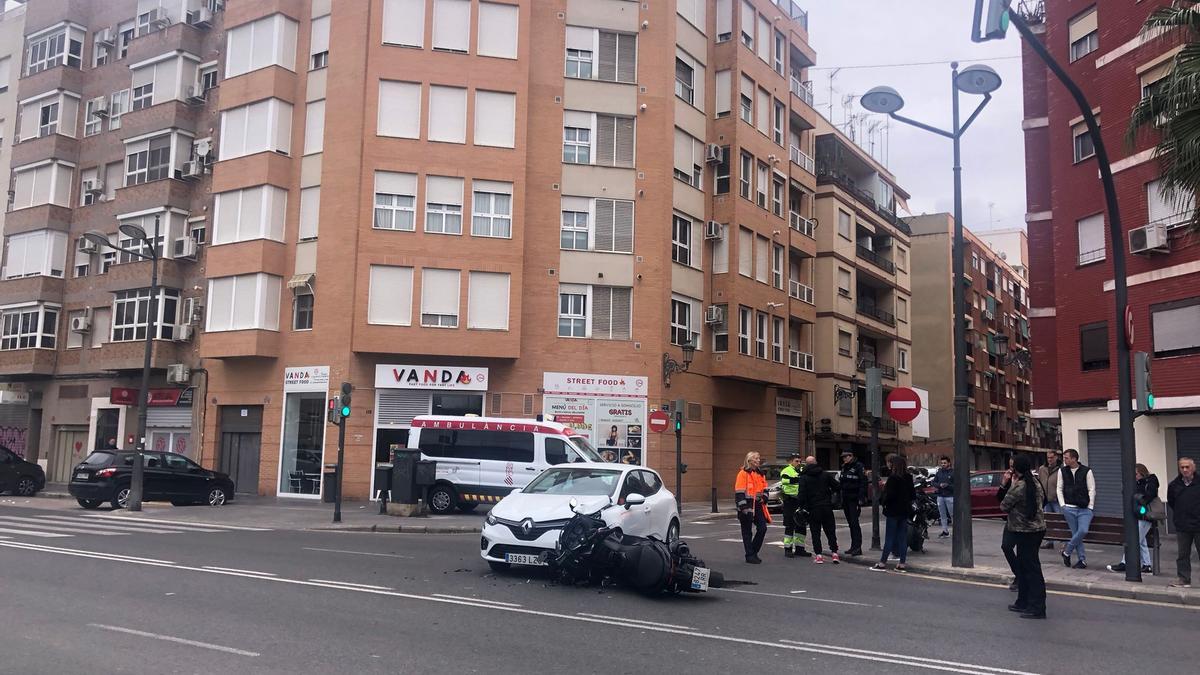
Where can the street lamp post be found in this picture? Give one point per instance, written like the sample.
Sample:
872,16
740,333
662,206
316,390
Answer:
135,232
979,80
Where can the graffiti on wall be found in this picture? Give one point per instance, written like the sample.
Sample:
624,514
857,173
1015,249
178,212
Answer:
13,438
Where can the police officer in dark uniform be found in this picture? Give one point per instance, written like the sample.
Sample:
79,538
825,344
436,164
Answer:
854,495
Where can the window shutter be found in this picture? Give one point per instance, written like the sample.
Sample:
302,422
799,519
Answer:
314,127
399,109
602,312
389,298
404,22
683,152
607,67
722,95
762,112
447,114
745,252
310,207
623,227
624,141
748,16
487,300
452,24
498,30
1176,329
320,35
762,255
763,46
622,313
439,291
250,213
443,190
580,38
392,183
1082,25
626,58
495,118
605,139
1091,237
605,224
724,17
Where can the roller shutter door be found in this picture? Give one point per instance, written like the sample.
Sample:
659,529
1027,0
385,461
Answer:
398,407
787,436
1104,458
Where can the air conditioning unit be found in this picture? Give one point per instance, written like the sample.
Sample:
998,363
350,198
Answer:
100,107
184,332
1149,239
106,39
93,186
192,311
82,324
714,314
200,18
191,170
185,247
85,245
196,95
714,230
713,154
178,373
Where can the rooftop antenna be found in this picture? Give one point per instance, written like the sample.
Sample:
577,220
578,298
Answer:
832,74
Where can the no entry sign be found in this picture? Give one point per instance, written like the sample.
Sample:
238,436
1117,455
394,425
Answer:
903,405
658,421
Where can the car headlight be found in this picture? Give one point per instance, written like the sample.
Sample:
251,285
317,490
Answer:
489,519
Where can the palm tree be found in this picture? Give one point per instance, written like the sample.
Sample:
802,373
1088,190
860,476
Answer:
1172,107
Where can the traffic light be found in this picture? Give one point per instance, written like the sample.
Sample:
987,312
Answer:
335,410
344,404
1141,378
994,24
678,421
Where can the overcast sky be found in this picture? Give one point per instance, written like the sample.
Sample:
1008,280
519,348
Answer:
892,32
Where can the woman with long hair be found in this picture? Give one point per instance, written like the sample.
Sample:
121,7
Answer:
1143,500
897,501
1022,497
750,495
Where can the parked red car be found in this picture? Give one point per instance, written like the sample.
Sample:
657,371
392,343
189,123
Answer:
985,485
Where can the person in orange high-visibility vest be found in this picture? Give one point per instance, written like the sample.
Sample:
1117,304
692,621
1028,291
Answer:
750,496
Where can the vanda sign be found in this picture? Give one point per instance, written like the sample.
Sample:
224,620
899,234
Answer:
431,377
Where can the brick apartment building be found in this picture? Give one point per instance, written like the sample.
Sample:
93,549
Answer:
14,401
1071,288
461,206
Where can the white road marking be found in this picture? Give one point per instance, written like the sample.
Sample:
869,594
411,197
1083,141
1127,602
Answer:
1069,594
174,523
170,638
830,650
794,592
351,585
795,597
637,621
116,557
699,522
490,602
231,569
37,533
56,527
933,663
130,527
381,555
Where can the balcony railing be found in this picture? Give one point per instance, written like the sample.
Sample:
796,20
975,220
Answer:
827,174
876,259
800,292
801,159
801,224
868,309
793,11
802,89
885,425
866,361
800,360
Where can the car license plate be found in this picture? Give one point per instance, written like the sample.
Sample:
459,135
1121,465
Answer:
700,579
523,559
82,475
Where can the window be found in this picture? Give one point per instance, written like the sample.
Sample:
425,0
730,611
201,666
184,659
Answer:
1091,239
399,109
614,226
302,311
572,312
208,78
745,173
125,33
265,126
760,335
777,183
745,252
845,342
38,253
780,51
143,96
844,225
694,12
443,204
1161,209
199,231
250,213
681,239
244,302
724,20
48,119
451,25
48,183
579,63
487,300
131,313
498,26
689,159
574,236
618,57
723,80
92,124
762,253
747,24
1176,327
684,80
721,330
269,41
389,298
722,172
148,160
89,189
845,407
614,140
777,339
447,114
744,318
902,360
901,259
777,123
314,127
318,47
681,321
844,281
495,119
492,212
1093,346
746,100
30,327
395,201
1084,34
74,339
902,310
777,266
1084,147
310,213
61,46
763,181
118,105
577,145
439,298
404,22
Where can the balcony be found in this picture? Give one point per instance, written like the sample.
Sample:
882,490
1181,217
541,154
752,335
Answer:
802,89
793,10
876,259
800,292
868,361
800,360
870,310
27,363
802,160
885,425
801,224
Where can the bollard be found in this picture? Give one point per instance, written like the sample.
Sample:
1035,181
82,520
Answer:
714,500
1157,545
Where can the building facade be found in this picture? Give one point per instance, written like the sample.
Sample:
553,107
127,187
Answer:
1012,245
14,401
999,388
1071,274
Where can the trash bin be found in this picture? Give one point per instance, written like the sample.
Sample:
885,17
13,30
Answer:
329,487
404,469
383,480
426,474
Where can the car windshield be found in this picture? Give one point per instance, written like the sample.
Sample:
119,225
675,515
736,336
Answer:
579,481
585,448
99,459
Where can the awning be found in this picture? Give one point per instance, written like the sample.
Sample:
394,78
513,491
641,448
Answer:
301,281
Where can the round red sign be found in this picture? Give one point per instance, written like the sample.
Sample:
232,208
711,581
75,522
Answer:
659,421
903,405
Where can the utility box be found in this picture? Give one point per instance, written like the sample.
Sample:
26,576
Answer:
426,474
329,491
404,476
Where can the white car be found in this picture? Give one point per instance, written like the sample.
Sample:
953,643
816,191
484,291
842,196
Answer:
528,522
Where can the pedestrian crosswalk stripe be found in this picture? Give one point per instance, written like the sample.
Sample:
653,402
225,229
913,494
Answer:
37,533
174,523
130,527
53,527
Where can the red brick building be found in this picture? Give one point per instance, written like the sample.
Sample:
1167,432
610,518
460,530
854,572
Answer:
1071,274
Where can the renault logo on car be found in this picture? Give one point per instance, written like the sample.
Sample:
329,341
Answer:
527,526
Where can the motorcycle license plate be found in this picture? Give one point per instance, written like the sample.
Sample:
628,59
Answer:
700,579
523,559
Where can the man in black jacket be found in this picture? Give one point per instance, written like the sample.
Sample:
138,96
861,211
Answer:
853,496
817,490
1183,496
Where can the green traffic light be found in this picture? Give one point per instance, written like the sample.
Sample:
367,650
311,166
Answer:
345,411
1150,401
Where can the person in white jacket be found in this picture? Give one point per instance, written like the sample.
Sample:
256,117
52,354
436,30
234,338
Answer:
1077,497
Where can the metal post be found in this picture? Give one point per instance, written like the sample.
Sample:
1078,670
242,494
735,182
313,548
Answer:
962,544
679,466
337,477
875,484
1116,235
714,500
137,482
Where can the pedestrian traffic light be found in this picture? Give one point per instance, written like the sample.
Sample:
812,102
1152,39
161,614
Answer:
1141,378
344,404
335,410
994,24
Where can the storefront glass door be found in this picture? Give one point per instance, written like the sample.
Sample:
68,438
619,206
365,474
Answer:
303,443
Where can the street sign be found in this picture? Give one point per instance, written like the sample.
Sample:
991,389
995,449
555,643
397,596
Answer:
903,405
658,421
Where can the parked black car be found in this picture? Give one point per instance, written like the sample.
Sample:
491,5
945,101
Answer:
18,476
104,476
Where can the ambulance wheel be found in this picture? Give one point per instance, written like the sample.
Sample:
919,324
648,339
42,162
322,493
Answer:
441,499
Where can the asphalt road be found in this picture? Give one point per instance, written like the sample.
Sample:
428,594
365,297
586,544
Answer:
164,598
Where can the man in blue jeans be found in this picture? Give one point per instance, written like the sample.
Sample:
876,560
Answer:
1077,497
943,482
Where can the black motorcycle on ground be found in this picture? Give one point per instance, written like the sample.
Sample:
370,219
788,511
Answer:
924,511
591,552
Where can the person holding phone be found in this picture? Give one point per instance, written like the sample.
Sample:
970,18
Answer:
1021,498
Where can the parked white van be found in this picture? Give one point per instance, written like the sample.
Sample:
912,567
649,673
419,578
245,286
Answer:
482,459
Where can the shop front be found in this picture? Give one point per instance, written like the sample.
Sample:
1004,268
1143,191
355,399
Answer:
609,409
403,392
168,420
302,438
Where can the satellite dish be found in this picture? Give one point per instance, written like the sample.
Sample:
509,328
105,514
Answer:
1003,255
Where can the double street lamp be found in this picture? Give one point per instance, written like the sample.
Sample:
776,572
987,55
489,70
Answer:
149,251
979,80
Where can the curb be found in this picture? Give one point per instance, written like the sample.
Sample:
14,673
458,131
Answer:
1003,579
405,529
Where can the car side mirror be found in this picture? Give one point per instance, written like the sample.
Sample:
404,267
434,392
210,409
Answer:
634,499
